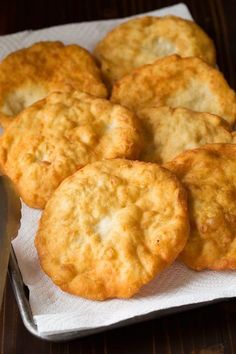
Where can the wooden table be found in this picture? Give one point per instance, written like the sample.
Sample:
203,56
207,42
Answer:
208,330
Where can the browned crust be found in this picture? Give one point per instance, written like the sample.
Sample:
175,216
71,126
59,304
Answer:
142,40
174,81
130,254
56,136
30,74
208,174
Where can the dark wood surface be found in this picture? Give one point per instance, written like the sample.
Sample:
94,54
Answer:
208,330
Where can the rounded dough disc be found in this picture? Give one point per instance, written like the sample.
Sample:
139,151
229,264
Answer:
142,40
209,175
177,82
112,227
30,74
54,137
170,131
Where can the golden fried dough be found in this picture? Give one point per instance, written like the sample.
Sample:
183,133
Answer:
112,227
142,40
209,175
30,74
170,131
54,137
177,82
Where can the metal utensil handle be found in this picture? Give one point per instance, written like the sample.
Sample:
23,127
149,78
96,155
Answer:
10,214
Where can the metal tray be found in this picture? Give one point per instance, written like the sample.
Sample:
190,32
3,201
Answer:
22,299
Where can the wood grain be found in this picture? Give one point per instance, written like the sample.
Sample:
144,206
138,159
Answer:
208,330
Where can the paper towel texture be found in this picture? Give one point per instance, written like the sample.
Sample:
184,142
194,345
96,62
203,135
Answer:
55,311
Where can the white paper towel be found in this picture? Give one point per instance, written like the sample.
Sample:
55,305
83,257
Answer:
55,311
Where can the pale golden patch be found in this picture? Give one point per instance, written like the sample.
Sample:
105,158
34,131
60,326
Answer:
170,131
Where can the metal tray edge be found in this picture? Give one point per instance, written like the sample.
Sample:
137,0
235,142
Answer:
27,317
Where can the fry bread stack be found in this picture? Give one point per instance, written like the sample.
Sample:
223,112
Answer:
131,154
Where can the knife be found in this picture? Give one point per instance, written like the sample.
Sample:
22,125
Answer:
10,215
